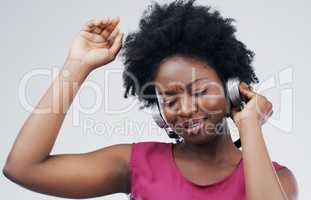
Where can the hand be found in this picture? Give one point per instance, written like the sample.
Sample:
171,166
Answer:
97,44
257,107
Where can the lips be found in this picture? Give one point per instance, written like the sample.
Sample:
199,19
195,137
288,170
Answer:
191,122
193,130
193,126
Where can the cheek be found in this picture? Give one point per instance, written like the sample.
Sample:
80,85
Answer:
170,115
212,104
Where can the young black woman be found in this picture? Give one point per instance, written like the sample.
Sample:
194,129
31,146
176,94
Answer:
188,52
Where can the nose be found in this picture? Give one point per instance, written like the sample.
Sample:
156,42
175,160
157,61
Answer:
188,106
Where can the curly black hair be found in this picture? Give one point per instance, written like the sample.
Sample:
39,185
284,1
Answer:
182,28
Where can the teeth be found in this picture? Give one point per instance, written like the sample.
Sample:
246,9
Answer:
194,125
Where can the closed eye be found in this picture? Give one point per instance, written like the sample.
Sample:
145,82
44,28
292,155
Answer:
170,103
199,93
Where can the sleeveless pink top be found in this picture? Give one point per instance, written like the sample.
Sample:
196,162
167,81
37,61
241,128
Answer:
155,176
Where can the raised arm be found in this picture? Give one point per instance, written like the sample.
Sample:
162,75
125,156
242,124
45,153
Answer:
262,181
97,173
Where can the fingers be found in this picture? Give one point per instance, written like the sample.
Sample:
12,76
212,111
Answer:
96,26
266,117
92,37
88,26
246,91
103,27
116,45
113,35
102,31
104,22
110,27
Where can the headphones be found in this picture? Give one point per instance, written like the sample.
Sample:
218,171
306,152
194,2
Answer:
233,99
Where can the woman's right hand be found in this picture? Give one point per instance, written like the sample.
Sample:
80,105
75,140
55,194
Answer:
97,44
84,175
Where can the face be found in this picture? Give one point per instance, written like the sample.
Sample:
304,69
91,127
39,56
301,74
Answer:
193,98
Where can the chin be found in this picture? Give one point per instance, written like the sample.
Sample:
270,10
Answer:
200,139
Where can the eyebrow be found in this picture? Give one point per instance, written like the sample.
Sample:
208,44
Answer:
174,92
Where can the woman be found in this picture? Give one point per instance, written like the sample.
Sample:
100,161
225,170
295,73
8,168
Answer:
188,53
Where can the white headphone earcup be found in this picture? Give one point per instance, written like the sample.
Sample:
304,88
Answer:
228,103
233,99
233,91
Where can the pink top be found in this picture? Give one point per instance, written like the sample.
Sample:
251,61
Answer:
155,176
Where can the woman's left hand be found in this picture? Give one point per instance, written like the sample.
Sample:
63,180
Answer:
257,107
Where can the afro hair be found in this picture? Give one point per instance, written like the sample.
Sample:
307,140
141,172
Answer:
182,28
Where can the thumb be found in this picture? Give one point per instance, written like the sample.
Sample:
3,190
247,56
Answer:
117,44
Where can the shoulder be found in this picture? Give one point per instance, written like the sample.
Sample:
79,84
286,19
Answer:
287,180
148,154
144,158
124,150
127,151
149,144
148,147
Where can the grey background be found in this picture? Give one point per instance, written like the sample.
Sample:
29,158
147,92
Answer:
37,35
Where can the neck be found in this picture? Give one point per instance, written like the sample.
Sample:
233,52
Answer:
218,149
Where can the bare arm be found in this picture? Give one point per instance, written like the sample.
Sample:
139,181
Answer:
261,179
101,172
